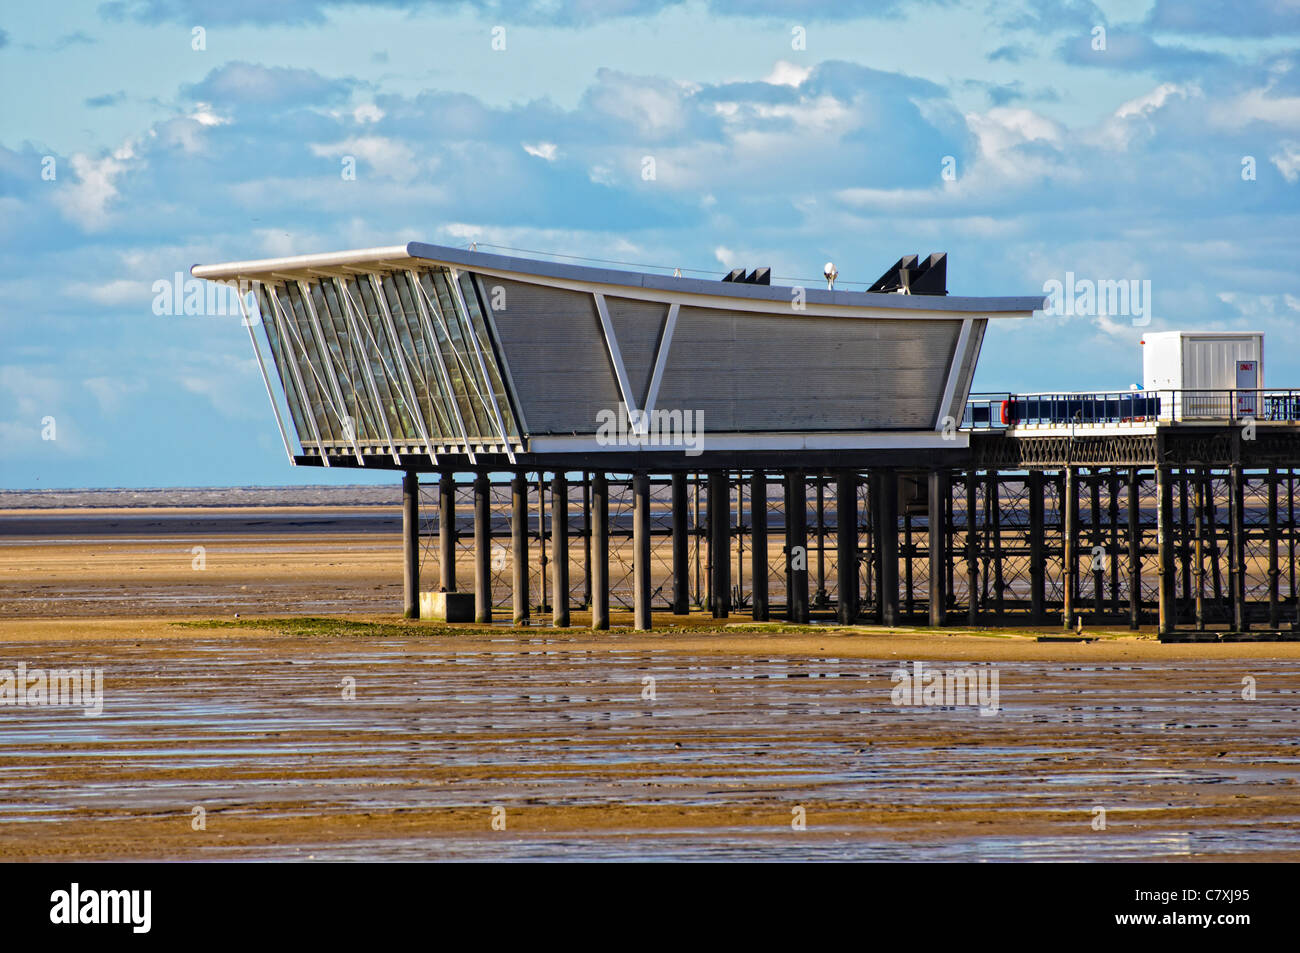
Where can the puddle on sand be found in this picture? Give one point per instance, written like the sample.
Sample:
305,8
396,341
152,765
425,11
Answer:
262,728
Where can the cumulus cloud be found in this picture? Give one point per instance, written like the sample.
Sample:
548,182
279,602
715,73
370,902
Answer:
813,159
785,73
86,201
244,84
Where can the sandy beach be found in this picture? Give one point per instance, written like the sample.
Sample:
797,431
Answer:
755,741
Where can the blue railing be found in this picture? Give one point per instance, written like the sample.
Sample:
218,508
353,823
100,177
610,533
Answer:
1001,410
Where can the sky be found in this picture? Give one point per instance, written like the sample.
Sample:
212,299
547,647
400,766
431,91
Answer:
1155,143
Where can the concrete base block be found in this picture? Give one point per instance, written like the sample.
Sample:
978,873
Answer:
447,606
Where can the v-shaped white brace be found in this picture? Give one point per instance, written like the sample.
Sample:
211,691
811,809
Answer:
640,421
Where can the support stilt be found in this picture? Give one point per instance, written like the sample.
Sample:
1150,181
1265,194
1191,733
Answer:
482,549
560,550
410,545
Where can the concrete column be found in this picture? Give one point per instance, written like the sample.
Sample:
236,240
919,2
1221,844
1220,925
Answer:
1237,543
411,545
482,549
1098,541
995,527
719,543
1037,551
1116,608
820,598
1069,555
758,543
1184,537
1274,607
586,539
846,540
600,552
519,547
708,542
1199,477
543,563
641,550
681,549
560,550
447,532
972,547
796,549
1165,548
888,494
1134,551
938,486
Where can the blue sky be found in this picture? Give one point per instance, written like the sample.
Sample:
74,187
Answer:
1119,163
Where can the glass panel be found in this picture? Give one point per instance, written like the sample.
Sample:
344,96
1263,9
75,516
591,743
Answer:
472,301
282,367
384,362
293,305
357,394
424,375
407,379
475,389
453,353
312,403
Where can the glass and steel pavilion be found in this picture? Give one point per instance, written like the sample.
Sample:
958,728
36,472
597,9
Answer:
421,356
395,362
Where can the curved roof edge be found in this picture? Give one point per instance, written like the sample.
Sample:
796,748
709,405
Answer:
413,252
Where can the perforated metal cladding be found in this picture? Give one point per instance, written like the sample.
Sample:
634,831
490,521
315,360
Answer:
638,325
745,371
754,372
967,371
558,363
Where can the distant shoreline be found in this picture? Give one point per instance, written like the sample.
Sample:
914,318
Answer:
202,497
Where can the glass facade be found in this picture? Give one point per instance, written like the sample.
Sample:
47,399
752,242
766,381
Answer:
382,362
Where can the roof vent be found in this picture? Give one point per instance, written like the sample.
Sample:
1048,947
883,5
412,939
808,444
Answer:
910,276
759,276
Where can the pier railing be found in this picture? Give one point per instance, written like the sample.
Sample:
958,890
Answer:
1001,410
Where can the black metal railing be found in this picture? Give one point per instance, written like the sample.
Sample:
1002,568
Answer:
991,411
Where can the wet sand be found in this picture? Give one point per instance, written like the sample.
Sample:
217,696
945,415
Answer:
748,724
556,731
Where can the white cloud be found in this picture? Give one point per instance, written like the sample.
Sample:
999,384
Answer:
367,113
1001,131
1148,103
86,201
787,74
1257,106
543,150
389,158
1287,161
204,116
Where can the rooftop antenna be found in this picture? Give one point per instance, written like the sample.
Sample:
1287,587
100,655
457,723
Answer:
831,274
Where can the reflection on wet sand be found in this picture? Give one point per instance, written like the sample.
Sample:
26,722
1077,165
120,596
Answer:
257,731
